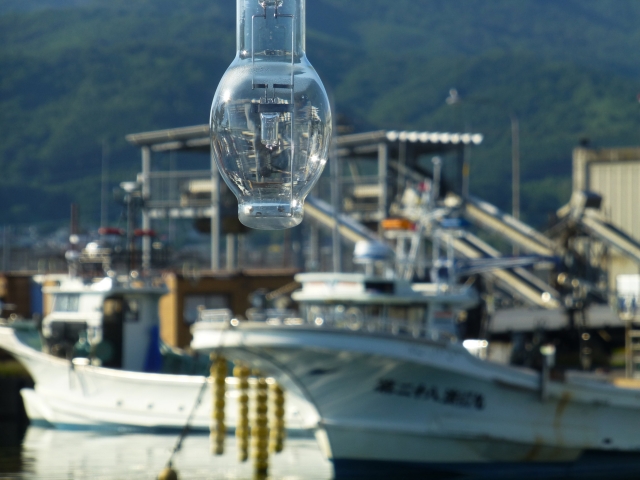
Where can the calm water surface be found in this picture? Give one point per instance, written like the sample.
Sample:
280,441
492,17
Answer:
42,453
77,455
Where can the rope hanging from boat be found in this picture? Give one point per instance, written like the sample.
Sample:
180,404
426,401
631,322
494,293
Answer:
169,473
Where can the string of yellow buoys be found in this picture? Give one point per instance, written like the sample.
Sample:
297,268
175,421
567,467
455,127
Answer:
277,425
218,390
260,424
241,372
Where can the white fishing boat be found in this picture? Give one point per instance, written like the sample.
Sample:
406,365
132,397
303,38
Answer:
397,391
97,363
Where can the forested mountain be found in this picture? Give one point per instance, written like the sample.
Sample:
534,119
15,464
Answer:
77,73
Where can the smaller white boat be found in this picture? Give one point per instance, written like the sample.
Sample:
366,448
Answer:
89,364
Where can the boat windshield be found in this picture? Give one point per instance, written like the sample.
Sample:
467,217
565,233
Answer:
374,318
75,302
66,302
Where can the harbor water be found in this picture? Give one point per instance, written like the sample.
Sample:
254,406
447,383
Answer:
44,453
28,453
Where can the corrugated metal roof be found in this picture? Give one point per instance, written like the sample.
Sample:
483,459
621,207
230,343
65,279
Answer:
452,138
436,137
197,138
184,138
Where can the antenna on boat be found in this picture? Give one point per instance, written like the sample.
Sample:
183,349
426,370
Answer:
335,196
443,267
72,255
425,219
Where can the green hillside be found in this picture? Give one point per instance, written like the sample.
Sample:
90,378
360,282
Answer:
75,73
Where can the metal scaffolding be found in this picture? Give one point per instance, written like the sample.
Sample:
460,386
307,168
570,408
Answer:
364,197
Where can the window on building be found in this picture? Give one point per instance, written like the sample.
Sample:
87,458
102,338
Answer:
194,303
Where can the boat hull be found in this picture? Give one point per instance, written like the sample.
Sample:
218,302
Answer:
432,404
76,396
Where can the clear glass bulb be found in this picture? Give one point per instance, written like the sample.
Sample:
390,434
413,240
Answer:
270,118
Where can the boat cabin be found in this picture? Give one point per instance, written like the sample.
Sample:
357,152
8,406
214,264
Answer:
360,302
112,322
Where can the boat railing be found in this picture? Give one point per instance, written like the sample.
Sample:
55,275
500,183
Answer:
381,320
392,321
370,319
25,330
215,315
274,316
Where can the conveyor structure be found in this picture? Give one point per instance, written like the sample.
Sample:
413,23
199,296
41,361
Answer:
323,213
518,282
599,228
489,217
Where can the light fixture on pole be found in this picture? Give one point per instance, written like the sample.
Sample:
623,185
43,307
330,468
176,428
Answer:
270,119
454,98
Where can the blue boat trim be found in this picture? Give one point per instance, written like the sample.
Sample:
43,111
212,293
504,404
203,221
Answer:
113,428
